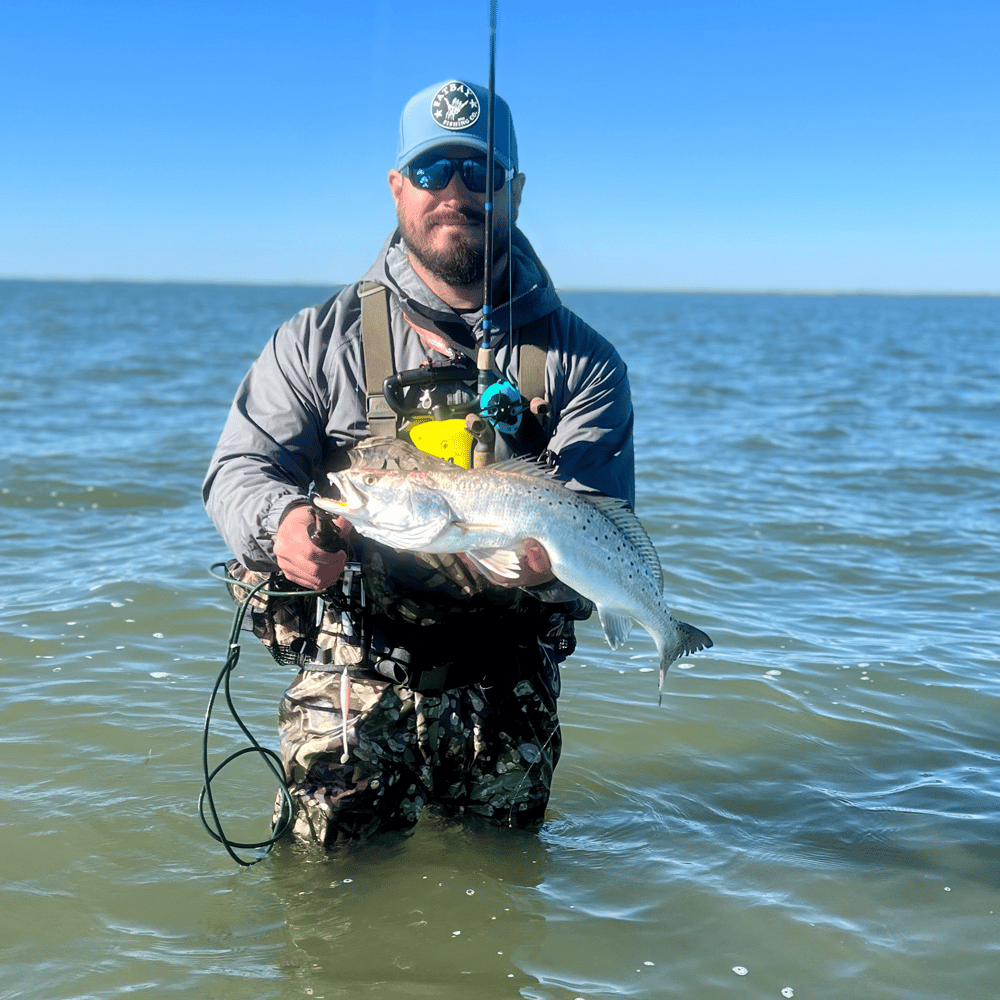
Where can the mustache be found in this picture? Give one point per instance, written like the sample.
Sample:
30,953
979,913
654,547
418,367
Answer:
458,216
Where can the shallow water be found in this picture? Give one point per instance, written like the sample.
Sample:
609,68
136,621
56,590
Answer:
816,803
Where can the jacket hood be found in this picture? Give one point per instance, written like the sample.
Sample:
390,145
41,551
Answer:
531,293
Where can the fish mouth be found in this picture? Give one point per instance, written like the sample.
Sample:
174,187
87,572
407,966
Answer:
350,497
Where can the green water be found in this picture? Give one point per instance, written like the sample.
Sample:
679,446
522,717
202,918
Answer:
815,803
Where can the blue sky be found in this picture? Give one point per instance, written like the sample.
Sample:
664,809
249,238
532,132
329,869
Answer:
771,145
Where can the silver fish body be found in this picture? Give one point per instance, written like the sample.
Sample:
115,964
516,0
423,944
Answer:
596,545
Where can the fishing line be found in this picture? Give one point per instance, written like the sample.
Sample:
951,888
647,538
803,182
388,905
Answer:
283,821
510,244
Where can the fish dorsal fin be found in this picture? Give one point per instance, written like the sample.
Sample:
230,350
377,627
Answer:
526,467
620,514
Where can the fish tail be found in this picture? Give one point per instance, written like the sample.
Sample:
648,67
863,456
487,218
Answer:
690,640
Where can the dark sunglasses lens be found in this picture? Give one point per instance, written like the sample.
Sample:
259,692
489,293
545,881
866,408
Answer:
432,175
474,175
435,174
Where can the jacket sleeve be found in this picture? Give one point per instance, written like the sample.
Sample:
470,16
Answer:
278,432
591,435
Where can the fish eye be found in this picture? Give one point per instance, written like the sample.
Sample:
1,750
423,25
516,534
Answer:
370,479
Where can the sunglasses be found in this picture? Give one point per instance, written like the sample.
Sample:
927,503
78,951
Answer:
434,173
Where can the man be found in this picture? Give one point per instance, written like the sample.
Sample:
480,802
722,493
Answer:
437,685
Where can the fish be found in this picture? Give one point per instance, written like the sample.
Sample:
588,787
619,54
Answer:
596,545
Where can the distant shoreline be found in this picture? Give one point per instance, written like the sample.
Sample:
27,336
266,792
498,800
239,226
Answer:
335,286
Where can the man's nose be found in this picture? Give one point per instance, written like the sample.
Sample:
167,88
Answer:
456,187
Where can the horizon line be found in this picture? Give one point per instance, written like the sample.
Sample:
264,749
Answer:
604,290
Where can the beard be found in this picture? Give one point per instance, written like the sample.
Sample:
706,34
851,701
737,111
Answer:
459,264
461,261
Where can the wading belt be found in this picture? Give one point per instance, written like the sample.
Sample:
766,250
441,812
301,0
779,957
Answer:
437,657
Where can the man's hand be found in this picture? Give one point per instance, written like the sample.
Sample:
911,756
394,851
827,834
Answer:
298,556
535,566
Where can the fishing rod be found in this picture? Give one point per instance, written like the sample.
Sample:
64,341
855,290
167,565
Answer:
485,359
485,440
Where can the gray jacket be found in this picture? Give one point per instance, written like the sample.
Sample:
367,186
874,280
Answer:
303,400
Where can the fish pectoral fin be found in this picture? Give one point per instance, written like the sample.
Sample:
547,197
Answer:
502,563
617,627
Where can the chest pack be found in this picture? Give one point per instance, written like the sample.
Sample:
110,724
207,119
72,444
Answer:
444,430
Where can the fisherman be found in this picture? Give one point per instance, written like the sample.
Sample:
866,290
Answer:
421,680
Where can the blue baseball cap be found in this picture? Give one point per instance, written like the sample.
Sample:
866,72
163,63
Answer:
454,114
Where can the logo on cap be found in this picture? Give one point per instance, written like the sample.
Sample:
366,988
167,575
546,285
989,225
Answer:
455,106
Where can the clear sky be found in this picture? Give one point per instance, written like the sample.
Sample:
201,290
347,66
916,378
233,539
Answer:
765,145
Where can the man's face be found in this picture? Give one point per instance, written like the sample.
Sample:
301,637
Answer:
445,230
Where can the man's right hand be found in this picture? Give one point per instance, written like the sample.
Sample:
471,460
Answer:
298,556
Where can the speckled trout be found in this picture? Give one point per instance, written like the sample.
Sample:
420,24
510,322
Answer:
596,545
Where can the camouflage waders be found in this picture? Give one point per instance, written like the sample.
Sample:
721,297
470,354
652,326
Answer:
461,749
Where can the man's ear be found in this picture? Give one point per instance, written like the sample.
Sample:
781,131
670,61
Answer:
395,184
516,187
